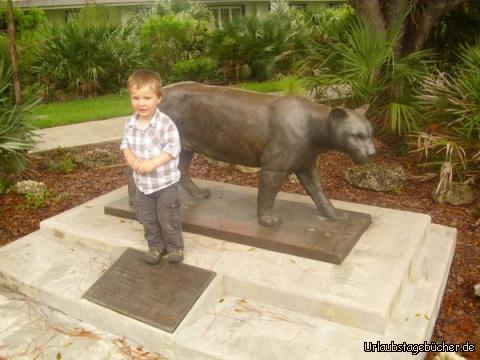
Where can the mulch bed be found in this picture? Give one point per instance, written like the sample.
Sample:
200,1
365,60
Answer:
459,319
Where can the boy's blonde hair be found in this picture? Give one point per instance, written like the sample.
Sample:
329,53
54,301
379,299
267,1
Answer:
141,78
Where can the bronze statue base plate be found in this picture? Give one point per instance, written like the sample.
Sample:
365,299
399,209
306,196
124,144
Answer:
159,295
231,215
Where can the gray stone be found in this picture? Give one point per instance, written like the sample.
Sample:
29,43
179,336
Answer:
30,187
376,177
456,194
292,178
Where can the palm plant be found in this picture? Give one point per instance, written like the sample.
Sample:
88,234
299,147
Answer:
85,57
265,45
172,32
452,106
359,66
182,8
16,131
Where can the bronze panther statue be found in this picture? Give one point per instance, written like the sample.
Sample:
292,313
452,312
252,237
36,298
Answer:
280,134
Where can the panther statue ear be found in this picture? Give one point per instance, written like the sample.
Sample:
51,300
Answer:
338,114
362,110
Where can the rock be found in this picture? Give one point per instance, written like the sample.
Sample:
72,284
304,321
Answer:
292,178
216,163
30,187
477,289
246,169
376,177
448,356
456,194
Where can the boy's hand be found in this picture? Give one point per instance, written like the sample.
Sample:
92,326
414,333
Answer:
146,166
135,164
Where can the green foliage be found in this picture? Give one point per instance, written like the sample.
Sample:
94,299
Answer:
173,32
5,185
452,106
85,57
287,85
36,199
16,131
329,23
4,47
360,67
266,44
199,69
27,23
182,8
61,161
25,19
166,40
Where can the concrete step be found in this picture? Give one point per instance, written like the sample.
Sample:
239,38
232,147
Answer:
57,274
222,324
240,328
30,330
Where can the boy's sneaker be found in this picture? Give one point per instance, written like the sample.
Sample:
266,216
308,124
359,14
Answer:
153,257
175,256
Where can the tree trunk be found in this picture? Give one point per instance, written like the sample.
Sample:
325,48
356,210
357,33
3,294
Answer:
372,11
12,49
425,17
414,19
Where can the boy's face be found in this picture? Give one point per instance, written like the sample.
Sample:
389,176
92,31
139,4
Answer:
144,101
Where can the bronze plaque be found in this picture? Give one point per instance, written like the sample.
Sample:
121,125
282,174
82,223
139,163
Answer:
232,216
159,295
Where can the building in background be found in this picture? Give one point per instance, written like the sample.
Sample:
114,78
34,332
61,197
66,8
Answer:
222,10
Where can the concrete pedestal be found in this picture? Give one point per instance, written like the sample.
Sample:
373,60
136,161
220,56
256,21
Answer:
262,304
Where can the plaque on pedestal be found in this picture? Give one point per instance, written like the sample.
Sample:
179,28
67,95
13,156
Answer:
159,295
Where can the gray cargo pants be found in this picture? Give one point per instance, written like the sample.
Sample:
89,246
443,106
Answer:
159,213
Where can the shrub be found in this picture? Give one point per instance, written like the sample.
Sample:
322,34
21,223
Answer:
86,56
452,109
16,131
266,44
25,19
35,192
61,160
182,8
199,69
360,67
166,40
328,23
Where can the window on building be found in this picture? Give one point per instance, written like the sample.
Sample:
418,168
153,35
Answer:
70,13
224,14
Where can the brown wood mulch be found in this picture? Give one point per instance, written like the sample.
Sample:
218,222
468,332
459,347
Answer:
459,319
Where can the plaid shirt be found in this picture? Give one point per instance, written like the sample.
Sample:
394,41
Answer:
160,136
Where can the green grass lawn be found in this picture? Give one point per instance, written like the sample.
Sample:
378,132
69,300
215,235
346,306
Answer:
77,111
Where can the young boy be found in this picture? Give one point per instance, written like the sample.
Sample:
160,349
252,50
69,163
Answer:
151,146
